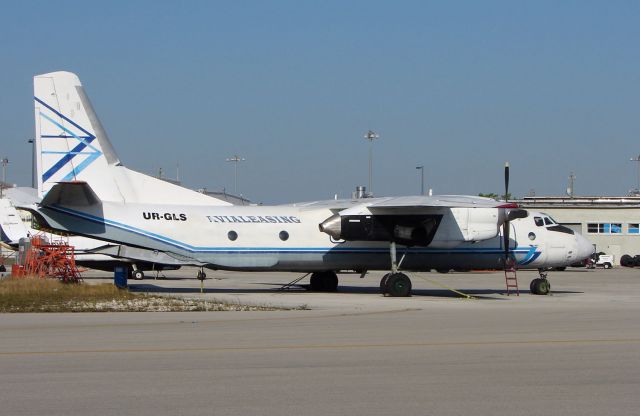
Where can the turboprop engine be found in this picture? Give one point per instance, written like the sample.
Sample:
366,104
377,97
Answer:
444,228
404,229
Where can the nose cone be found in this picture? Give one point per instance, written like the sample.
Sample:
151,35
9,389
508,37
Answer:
332,226
585,247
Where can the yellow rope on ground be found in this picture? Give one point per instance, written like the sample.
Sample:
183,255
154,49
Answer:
464,295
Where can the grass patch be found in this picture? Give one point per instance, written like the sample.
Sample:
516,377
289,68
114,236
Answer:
50,295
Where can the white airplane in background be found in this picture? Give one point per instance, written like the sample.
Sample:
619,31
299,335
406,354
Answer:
415,233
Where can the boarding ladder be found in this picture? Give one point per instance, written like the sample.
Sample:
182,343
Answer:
511,277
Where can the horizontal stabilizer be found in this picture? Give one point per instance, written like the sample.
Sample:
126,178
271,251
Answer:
70,194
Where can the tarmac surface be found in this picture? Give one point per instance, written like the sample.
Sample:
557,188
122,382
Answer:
575,352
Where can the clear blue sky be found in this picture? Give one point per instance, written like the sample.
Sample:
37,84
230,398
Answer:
292,86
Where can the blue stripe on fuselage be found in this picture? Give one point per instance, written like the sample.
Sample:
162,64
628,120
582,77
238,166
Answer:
334,249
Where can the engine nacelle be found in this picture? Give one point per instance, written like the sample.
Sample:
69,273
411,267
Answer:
404,229
448,227
468,224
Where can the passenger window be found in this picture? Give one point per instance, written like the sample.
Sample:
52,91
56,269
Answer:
538,221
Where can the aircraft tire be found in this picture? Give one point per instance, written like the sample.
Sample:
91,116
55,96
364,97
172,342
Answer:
542,287
383,283
398,285
532,286
626,261
137,275
331,282
545,287
316,282
324,281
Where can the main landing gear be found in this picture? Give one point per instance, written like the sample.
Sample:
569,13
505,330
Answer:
395,284
541,285
324,281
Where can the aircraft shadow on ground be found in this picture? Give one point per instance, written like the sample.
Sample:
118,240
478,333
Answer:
444,293
489,294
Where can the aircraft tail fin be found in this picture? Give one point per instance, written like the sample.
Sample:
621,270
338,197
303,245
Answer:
12,229
70,140
72,145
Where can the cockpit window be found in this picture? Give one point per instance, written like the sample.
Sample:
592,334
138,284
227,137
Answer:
561,229
547,221
538,221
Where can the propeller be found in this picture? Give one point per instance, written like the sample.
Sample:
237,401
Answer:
506,230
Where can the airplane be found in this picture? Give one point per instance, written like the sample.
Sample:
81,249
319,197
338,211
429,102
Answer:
11,226
395,234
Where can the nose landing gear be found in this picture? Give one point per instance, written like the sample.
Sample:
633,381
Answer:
541,285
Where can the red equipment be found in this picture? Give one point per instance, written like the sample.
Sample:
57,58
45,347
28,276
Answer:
55,260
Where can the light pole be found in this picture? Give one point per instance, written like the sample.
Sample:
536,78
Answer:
5,162
637,160
572,178
371,136
235,159
421,167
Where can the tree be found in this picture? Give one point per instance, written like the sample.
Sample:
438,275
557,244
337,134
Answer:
496,196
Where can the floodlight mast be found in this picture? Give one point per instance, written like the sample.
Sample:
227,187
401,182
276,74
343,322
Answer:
235,159
371,136
5,162
572,178
637,160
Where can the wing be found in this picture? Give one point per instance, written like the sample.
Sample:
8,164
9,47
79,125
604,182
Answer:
424,204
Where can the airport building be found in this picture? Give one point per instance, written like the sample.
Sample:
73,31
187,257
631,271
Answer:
611,223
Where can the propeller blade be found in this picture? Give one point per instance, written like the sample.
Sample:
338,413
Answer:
506,226
506,181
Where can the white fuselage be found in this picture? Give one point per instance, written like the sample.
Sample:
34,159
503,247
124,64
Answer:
288,238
